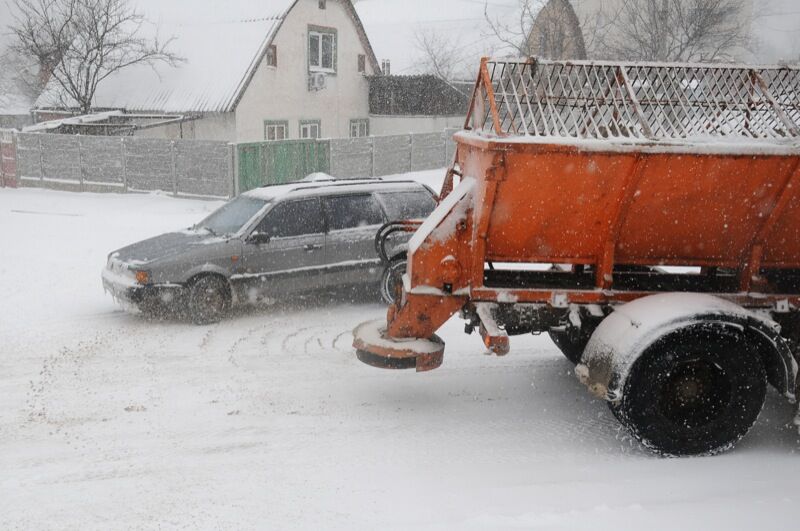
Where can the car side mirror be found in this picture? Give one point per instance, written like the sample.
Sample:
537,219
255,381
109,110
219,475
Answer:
259,238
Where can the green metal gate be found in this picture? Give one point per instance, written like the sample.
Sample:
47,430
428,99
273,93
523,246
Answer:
281,161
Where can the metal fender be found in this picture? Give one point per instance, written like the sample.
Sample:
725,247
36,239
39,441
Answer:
626,334
207,268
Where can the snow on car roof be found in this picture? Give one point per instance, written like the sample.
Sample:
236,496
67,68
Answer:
270,193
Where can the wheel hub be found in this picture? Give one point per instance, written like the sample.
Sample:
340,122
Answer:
695,393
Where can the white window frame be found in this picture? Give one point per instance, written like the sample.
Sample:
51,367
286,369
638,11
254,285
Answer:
361,126
306,128
272,127
319,67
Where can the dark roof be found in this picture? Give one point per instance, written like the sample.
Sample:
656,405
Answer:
416,95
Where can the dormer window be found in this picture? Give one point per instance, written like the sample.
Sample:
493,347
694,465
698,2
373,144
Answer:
322,50
323,4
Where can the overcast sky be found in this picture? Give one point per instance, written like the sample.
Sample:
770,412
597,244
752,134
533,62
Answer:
779,29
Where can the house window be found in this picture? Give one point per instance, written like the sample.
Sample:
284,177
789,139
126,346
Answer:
359,128
310,129
272,55
276,129
323,4
322,50
362,63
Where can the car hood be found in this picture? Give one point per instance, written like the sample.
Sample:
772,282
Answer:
165,246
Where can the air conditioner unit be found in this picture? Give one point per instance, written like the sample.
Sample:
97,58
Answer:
316,81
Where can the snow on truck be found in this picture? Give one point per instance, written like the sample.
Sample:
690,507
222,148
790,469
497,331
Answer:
645,215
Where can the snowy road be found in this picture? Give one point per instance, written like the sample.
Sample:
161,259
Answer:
268,421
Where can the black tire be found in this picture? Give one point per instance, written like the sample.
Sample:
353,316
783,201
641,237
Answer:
209,299
695,391
392,279
572,347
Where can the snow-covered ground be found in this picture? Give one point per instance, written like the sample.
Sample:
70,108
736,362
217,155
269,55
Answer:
268,421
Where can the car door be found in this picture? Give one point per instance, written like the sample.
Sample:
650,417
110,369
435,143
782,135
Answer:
353,220
286,250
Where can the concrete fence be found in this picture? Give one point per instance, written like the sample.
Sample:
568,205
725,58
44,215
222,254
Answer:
386,155
123,164
203,168
263,163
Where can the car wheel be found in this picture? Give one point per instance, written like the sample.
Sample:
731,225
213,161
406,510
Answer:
209,298
695,391
392,279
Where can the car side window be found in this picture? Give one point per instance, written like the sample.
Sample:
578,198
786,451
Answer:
353,211
293,218
416,204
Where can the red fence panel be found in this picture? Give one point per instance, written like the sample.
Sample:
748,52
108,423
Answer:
8,159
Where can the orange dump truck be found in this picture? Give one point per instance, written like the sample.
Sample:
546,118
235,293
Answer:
646,216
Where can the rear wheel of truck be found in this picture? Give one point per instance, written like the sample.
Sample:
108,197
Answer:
209,298
694,391
392,279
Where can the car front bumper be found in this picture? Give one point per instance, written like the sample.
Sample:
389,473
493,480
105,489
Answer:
126,291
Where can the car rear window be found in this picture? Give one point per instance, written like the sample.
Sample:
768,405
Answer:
417,204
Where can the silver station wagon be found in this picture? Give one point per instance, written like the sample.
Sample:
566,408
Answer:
271,242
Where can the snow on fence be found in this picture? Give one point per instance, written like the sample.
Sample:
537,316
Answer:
374,156
205,168
123,164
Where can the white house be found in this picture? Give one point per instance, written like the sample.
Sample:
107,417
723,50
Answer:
253,70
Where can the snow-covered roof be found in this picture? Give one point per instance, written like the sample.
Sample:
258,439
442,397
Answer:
221,45
393,25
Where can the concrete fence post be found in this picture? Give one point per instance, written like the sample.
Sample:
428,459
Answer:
173,160
233,169
410,151
445,162
41,159
372,156
80,165
15,151
124,155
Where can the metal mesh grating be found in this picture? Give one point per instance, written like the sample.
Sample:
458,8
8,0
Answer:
645,101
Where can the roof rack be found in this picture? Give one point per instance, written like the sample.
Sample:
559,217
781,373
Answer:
655,102
348,182
331,180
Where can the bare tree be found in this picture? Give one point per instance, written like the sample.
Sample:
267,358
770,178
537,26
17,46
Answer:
514,32
656,30
546,28
678,30
439,55
79,43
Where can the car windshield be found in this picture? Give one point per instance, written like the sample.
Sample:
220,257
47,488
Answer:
232,216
